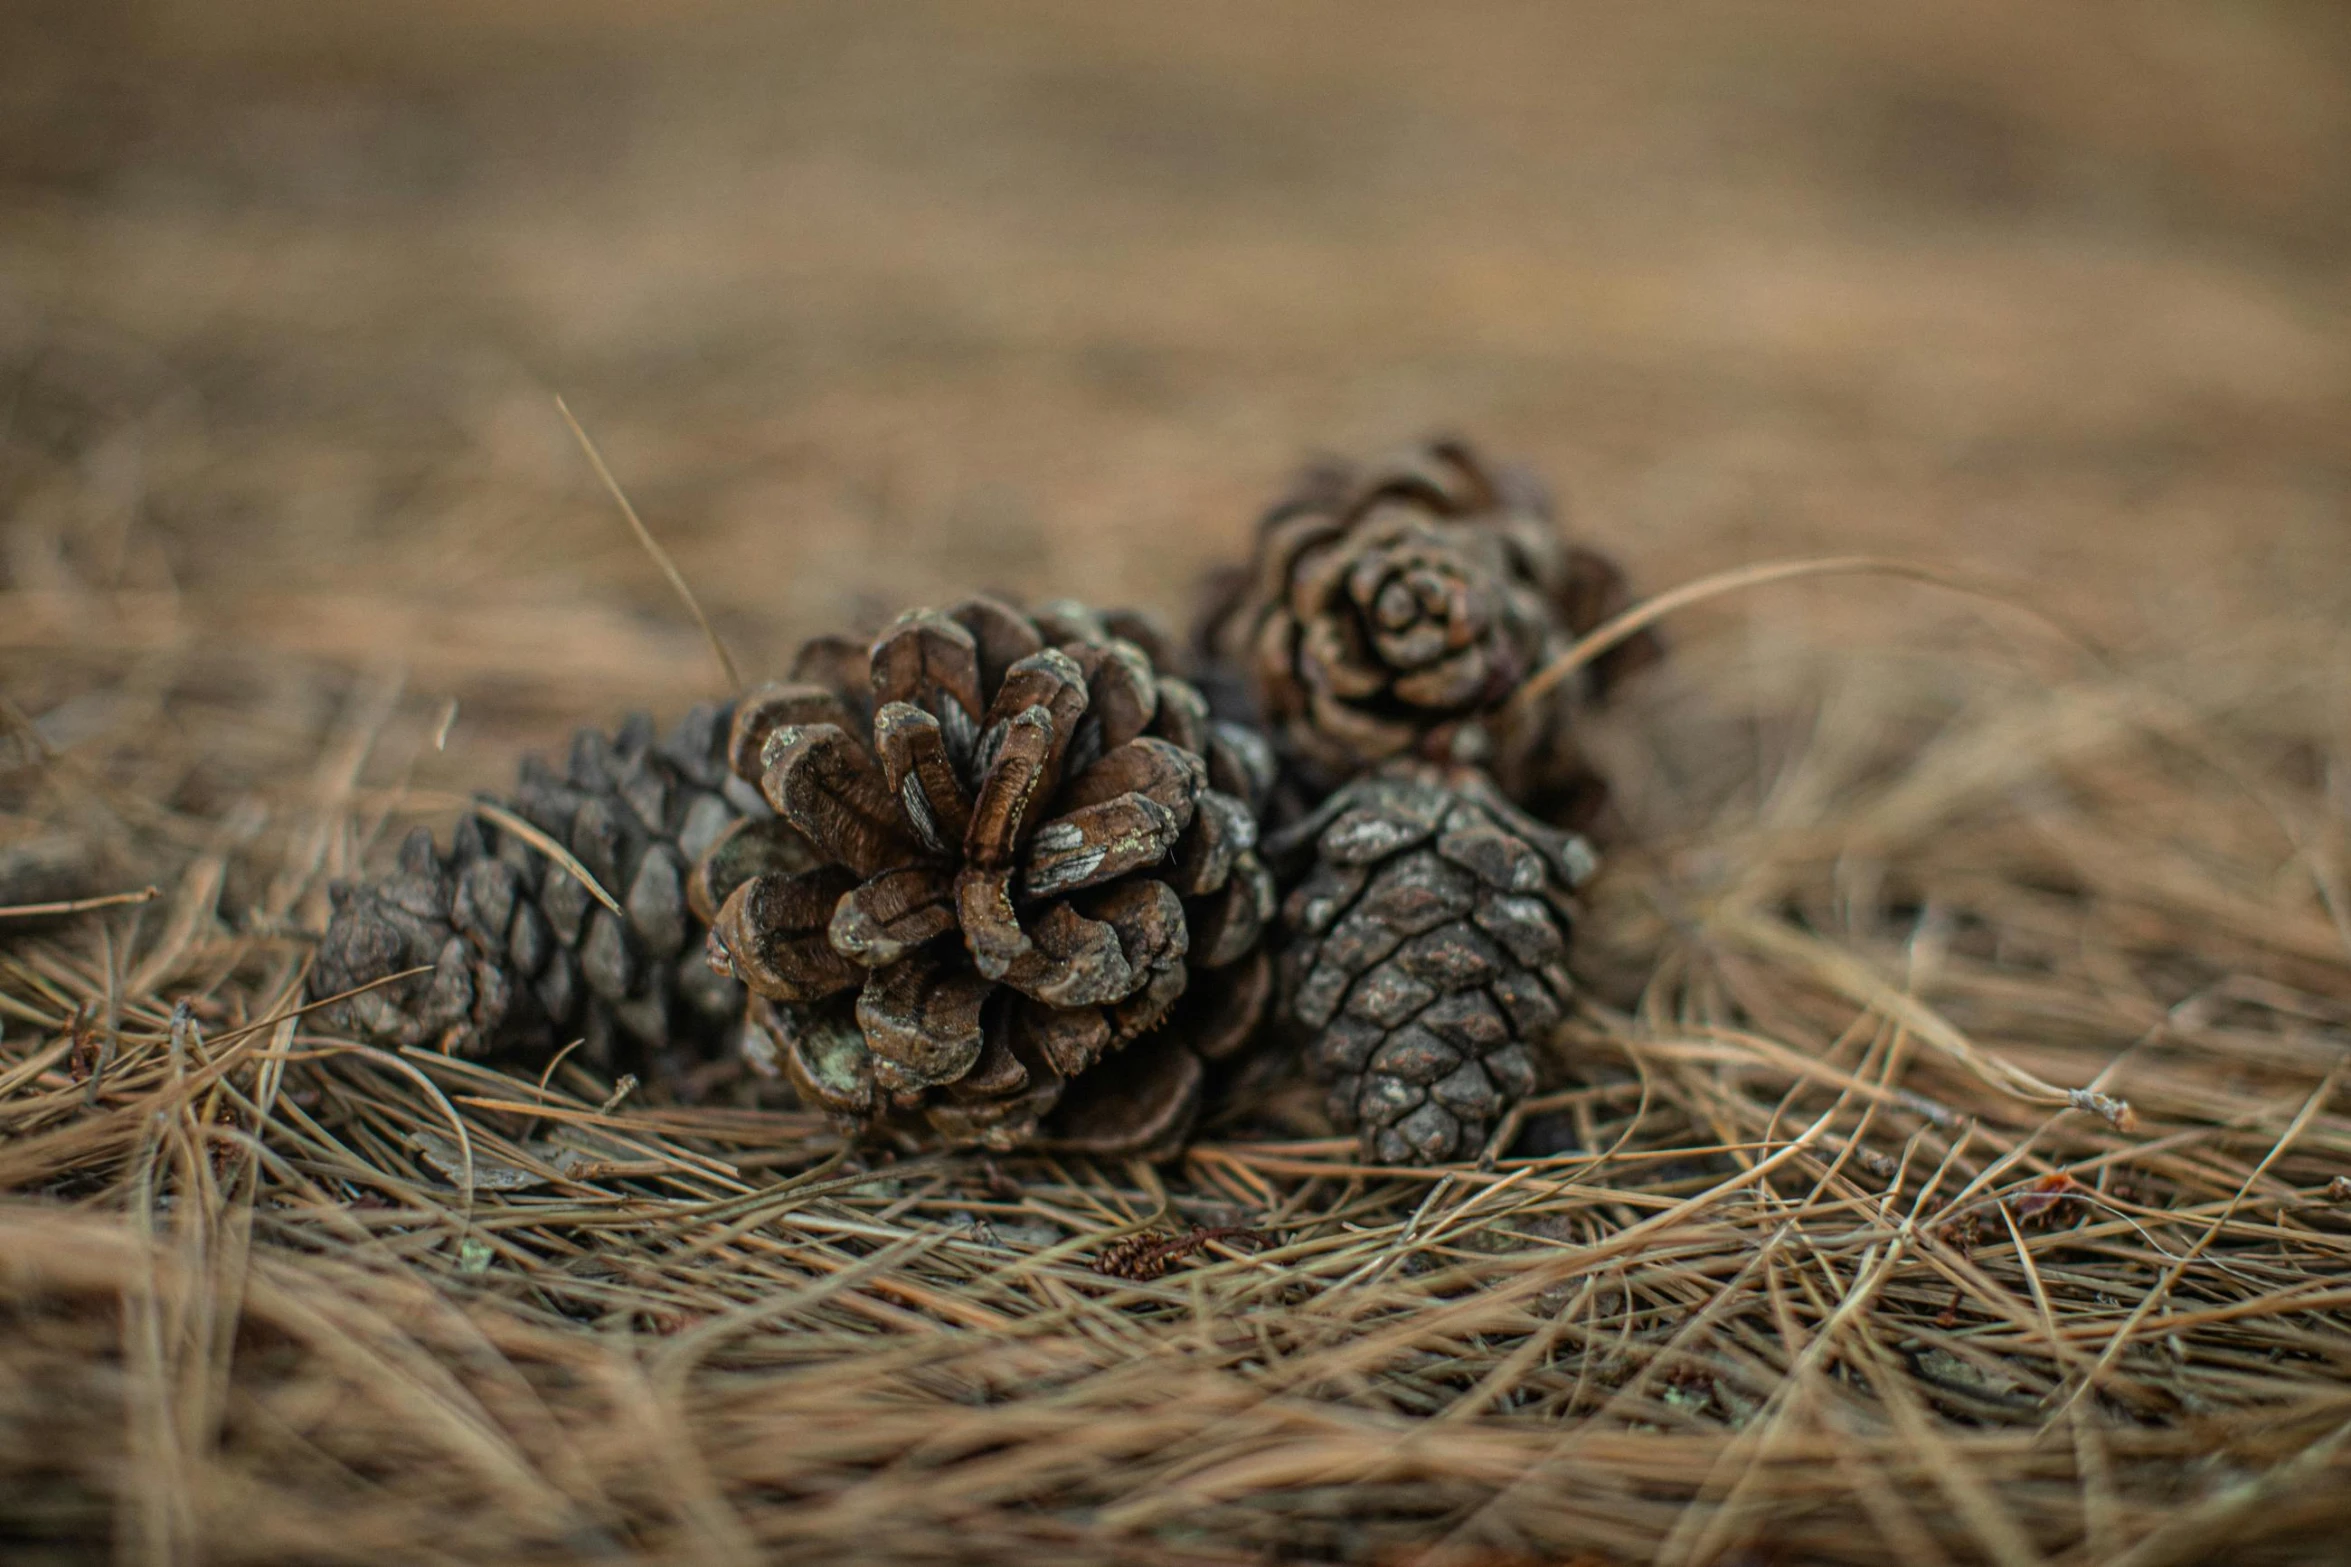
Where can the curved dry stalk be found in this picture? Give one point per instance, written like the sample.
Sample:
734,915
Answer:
1740,579
669,568
111,900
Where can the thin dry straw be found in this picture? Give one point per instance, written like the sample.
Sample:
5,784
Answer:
1727,1314
24,911
521,827
677,579
549,847
1739,579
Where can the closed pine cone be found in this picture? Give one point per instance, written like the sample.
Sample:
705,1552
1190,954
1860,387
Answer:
522,954
1426,965
1011,892
1393,609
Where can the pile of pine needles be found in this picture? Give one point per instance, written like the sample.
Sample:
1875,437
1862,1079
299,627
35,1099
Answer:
1949,1166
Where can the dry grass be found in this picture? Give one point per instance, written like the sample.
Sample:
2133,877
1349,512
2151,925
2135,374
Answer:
1813,1259
1804,1264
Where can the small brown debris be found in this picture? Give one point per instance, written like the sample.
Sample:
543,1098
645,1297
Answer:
83,1060
1963,1232
1882,1165
2040,1201
1148,1254
2116,1113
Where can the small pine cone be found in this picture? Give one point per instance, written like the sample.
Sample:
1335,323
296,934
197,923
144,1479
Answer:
1011,892
522,953
1392,610
1427,961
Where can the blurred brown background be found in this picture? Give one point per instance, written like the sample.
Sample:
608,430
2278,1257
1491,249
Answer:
872,303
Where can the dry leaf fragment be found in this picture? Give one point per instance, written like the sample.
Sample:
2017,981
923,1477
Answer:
2041,1200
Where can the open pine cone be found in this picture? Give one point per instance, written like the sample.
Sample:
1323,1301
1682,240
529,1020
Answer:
1426,964
1011,892
1393,609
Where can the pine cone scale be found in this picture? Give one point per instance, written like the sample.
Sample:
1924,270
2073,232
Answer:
991,925
772,934
1023,761
921,771
834,791
928,661
825,1052
881,920
1228,923
744,848
1137,1103
1070,1038
922,1023
656,902
606,961
1098,843
1226,1003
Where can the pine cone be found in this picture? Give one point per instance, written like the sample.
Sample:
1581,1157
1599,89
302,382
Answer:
1392,610
1427,954
522,953
1011,892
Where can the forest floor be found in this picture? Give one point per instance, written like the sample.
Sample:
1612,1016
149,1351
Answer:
1815,1256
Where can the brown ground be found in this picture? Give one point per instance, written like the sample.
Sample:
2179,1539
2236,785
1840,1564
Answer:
874,303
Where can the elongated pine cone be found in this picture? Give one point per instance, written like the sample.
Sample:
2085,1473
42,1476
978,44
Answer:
1394,609
521,952
1011,892
1427,957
